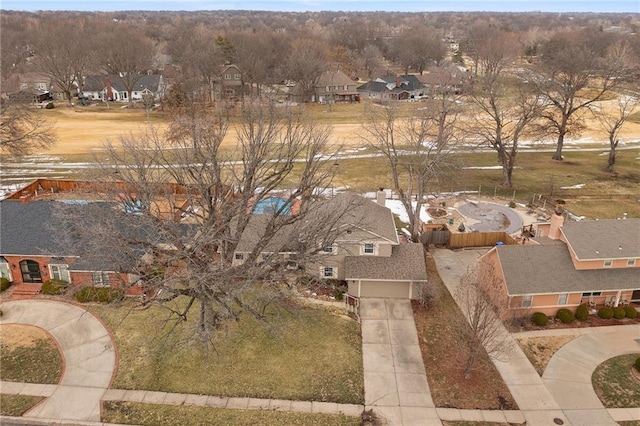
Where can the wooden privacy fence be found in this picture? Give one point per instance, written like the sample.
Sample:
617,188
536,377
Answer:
479,239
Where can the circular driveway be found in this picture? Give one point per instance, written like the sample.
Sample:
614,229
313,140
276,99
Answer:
87,350
491,217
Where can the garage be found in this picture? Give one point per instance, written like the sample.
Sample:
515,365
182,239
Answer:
380,289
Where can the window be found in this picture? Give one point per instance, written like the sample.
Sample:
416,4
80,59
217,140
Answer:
59,272
236,76
326,89
100,279
239,256
369,248
30,271
527,301
124,95
592,293
227,76
328,249
41,86
5,272
631,262
328,272
563,298
608,263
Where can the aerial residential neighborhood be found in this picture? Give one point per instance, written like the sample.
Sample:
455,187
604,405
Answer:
300,215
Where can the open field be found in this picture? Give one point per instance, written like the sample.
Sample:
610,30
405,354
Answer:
82,129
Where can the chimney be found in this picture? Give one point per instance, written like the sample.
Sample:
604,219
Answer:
109,90
557,219
398,81
381,197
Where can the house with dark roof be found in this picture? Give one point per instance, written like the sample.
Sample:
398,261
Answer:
110,87
31,251
364,249
447,79
398,88
596,262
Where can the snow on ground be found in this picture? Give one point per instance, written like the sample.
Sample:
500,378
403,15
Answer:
397,208
577,186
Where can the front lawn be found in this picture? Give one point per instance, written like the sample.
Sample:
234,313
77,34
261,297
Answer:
17,405
152,415
615,384
301,354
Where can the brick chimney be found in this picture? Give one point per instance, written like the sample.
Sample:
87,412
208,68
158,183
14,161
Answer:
557,220
398,81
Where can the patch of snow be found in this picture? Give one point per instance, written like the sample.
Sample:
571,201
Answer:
397,208
577,186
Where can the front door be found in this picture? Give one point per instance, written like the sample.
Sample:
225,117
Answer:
30,271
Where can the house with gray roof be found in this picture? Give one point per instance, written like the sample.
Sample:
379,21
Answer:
595,262
398,88
110,87
31,250
360,246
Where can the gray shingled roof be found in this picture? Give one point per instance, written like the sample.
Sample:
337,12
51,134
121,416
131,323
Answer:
543,269
604,239
26,229
406,263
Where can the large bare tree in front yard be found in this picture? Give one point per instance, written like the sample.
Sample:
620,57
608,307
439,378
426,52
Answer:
183,239
417,146
483,306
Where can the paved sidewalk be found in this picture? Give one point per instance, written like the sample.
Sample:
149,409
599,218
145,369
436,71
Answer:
395,382
536,403
88,354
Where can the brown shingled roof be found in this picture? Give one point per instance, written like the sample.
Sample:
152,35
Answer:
406,263
543,269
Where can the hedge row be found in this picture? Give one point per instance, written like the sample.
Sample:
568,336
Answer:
565,316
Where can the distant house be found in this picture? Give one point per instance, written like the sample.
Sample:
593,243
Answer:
110,87
398,88
28,88
229,84
366,251
335,86
447,79
596,262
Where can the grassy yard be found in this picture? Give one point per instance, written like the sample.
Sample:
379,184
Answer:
29,354
149,414
444,358
540,350
300,354
615,384
17,405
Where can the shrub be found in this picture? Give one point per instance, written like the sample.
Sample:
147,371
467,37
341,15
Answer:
512,204
4,284
630,312
54,286
539,319
50,105
565,316
582,312
638,363
338,295
605,313
99,294
619,313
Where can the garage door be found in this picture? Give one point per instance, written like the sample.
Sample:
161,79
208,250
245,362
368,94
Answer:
390,289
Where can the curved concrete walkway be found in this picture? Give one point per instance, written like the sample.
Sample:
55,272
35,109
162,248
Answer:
88,352
568,374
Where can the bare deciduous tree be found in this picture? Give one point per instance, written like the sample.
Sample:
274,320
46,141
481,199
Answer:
572,75
613,124
417,146
64,53
482,303
505,113
307,60
185,243
22,130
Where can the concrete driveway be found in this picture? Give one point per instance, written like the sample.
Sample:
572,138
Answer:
395,382
88,354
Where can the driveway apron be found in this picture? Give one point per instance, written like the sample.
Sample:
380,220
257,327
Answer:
87,349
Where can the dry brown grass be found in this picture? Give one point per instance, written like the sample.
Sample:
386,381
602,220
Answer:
540,350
